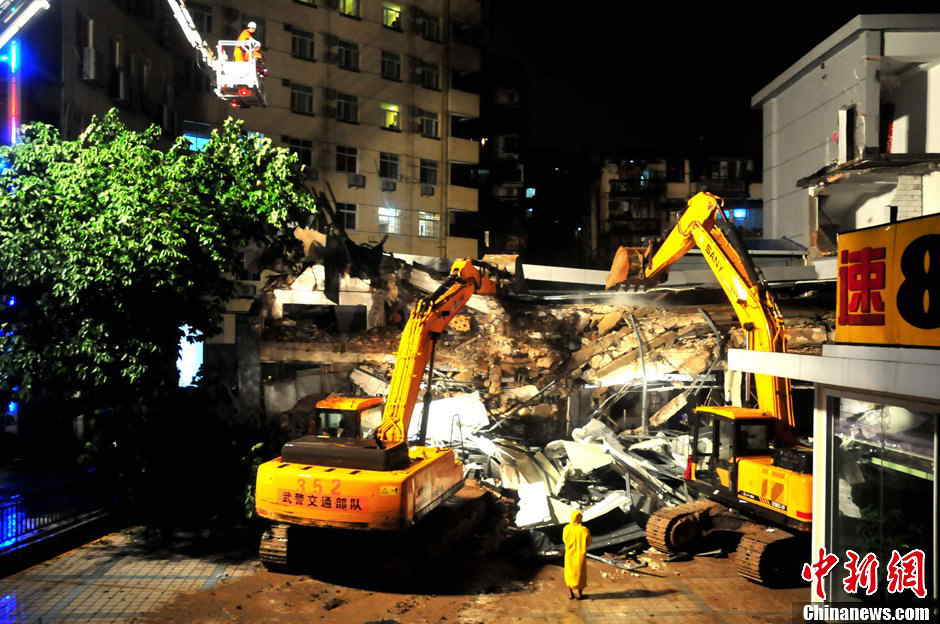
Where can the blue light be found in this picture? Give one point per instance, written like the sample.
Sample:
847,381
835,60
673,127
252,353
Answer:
13,408
196,143
11,301
8,607
740,213
12,56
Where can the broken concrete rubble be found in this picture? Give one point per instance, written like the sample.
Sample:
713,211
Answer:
539,400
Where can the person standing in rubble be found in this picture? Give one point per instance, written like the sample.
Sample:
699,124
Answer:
576,538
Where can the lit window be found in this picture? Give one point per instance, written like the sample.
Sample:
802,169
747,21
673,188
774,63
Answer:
302,45
529,193
346,214
348,55
389,220
391,117
428,171
349,7
347,108
388,166
740,214
391,66
301,99
347,158
391,16
429,224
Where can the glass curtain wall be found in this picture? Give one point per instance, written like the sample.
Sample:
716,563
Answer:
882,493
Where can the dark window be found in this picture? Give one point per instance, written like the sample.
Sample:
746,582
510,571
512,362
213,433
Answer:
391,66
346,158
302,45
346,215
388,165
301,99
347,108
303,149
428,171
427,124
348,55
202,17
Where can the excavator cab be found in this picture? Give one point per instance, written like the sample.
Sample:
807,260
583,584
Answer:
720,438
346,417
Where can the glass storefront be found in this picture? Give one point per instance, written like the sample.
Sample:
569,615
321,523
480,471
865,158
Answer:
882,496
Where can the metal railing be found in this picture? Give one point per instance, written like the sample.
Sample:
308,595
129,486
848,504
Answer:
31,517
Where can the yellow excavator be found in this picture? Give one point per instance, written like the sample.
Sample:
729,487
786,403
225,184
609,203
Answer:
754,480
358,471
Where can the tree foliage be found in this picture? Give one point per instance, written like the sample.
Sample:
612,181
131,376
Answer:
109,244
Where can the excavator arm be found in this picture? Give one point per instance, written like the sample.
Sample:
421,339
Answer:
703,224
429,318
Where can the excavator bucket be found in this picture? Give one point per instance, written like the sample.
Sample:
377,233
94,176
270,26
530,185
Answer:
628,266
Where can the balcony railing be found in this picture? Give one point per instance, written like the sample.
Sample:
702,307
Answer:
637,187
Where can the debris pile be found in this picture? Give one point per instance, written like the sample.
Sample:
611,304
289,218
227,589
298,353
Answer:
544,402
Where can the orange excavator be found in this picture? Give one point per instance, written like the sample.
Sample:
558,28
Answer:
358,471
754,480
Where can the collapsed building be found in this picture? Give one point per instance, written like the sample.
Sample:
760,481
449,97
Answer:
555,401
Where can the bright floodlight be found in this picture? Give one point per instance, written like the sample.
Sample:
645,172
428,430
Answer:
15,14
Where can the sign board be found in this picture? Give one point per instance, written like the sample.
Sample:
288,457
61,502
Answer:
889,284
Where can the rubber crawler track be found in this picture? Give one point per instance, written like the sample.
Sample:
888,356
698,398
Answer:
273,549
762,557
662,524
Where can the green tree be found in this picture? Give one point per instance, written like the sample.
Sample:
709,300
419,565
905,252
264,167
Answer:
109,244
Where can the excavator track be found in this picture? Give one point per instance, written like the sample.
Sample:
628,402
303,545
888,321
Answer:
273,549
767,555
671,529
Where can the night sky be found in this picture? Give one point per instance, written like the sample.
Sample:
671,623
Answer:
667,78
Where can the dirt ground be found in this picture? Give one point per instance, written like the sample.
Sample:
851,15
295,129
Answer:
495,588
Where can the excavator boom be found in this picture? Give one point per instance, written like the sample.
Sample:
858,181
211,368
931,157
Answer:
703,224
430,317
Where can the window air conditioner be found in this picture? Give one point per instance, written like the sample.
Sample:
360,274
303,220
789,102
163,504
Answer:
389,185
89,67
357,180
121,91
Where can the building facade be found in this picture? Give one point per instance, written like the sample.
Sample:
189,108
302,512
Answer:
850,138
852,170
639,199
365,92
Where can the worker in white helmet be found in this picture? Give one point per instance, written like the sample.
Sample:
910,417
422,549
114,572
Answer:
242,54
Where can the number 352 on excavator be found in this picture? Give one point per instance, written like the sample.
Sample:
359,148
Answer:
358,471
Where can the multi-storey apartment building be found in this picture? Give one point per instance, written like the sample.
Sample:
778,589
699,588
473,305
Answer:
83,57
364,91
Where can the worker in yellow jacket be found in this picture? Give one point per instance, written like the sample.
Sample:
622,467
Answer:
248,34
576,538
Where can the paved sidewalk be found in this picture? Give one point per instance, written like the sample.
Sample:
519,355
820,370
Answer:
115,580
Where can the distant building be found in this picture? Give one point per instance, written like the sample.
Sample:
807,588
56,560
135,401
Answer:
637,200
850,138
